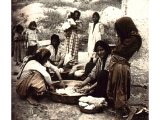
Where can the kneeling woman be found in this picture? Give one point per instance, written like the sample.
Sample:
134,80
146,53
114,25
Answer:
34,80
99,74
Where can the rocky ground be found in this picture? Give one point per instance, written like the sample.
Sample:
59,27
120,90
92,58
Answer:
49,110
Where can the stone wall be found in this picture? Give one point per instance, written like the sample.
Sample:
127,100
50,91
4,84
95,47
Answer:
138,11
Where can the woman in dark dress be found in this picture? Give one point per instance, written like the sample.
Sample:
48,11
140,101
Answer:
99,74
119,68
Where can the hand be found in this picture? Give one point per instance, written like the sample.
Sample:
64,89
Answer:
86,89
80,85
51,87
83,90
62,84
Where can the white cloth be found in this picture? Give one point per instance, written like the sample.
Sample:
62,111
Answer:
34,65
94,35
32,37
67,24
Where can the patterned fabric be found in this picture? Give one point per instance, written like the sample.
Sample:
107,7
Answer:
72,42
74,46
30,80
34,65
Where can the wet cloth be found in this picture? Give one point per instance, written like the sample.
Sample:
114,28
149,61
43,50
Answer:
30,80
119,81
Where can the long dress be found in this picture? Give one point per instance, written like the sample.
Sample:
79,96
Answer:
73,42
119,71
19,47
95,34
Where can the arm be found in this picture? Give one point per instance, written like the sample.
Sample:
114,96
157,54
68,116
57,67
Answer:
62,56
86,81
55,69
60,63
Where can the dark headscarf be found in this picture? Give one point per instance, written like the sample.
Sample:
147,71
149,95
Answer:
42,54
124,27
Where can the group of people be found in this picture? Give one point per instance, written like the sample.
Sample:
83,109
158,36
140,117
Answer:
109,77
24,41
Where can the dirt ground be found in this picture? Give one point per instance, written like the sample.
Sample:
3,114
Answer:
49,110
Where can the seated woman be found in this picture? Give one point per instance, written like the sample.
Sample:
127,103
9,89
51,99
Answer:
99,74
129,43
34,80
57,55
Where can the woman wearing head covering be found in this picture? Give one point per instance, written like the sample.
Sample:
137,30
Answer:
34,80
99,74
72,41
119,68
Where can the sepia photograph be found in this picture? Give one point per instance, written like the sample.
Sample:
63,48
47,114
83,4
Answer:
80,59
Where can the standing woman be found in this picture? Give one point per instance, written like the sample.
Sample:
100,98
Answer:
19,44
119,68
73,43
32,38
95,31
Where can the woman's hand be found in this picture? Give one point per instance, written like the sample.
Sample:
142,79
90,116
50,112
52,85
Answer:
62,84
79,85
85,89
51,87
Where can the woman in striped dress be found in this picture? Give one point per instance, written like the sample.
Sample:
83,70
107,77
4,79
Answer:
34,80
73,41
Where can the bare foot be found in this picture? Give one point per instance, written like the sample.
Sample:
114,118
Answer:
32,101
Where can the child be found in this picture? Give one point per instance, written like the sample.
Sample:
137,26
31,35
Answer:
19,44
68,23
32,38
95,31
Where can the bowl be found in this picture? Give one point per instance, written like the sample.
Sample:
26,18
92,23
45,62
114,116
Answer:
64,98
